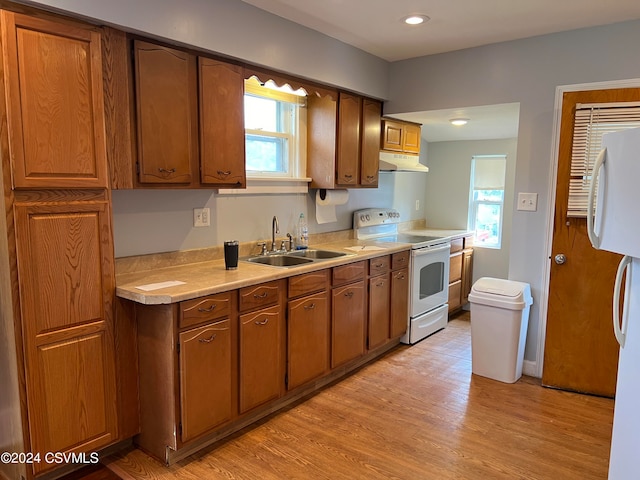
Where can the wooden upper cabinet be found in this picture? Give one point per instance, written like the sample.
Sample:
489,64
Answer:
401,137
370,155
222,142
411,140
55,108
166,105
343,142
348,161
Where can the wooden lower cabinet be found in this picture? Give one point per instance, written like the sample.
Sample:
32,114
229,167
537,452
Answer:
205,360
348,322
399,302
261,375
308,339
65,265
460,272
379,310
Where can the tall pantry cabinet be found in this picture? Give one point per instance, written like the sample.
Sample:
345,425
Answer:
57,346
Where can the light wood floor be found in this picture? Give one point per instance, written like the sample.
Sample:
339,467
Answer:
418,413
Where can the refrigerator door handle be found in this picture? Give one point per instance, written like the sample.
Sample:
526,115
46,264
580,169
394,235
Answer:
621,331
595,173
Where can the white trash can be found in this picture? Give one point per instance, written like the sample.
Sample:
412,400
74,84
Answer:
499,320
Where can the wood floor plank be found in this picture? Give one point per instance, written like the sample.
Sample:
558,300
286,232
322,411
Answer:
417,413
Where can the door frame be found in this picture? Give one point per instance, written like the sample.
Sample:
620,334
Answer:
551,204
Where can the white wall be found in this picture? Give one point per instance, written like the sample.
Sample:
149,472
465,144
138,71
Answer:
152,221
525,71
239,30
447,196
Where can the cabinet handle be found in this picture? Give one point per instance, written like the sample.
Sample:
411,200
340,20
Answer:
381,284
370,177
263,322
401,259
205,310
348,294
347,175
208,340
310,307
401,276
261,295
379,265
164,170
225,173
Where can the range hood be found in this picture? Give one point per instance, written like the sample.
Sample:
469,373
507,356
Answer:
397,162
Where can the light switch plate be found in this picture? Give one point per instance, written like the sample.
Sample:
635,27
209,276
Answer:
528,201
201,217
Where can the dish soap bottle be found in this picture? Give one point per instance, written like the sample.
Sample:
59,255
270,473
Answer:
303,233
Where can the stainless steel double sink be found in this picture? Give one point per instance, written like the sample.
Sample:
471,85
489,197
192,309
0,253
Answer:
294,258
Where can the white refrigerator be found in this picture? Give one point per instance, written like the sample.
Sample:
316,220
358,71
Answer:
615,226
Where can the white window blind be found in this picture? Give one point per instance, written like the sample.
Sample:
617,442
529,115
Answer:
592,121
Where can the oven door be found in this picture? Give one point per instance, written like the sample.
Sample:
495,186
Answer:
429,278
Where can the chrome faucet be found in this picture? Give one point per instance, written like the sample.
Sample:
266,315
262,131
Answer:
274,229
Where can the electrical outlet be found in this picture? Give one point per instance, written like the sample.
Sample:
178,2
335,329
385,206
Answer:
201,217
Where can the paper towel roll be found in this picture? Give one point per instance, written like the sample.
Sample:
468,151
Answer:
326,201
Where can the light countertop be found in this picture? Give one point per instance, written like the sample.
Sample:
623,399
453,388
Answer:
206,278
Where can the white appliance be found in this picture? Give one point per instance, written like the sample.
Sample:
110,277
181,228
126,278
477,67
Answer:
615,227
429,270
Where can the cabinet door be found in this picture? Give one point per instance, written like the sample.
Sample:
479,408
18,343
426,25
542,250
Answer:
166,102
55,107
411,138
308,335
205,378
392,135
467,274
348,161
379,303
399,302
65,264
455,295
370,154
261,375
455,267
222,142
348,321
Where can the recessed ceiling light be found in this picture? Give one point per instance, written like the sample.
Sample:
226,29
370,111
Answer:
459,121
415,19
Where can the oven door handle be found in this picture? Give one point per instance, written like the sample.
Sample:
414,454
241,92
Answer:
429,250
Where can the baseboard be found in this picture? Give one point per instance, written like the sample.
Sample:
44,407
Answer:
530,368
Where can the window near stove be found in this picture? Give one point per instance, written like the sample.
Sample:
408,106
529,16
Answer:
486,199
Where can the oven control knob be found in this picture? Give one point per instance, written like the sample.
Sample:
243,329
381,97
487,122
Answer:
367,217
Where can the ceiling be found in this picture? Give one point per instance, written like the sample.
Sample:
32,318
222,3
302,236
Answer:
376,27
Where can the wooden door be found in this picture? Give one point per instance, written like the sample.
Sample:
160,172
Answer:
65,264
370,154
166,103
55,107
379,313
261,375
348,161
348,323
399,302
222,142
308,335
205,378
581,353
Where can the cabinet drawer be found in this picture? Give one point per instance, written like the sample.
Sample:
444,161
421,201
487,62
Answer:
348,273
308,283
457,245
455,267
258,295
400,260
468,241
379,265
202,309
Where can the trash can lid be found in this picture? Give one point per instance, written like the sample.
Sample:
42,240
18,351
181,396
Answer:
501,293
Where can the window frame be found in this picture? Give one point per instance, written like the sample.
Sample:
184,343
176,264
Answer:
474,204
